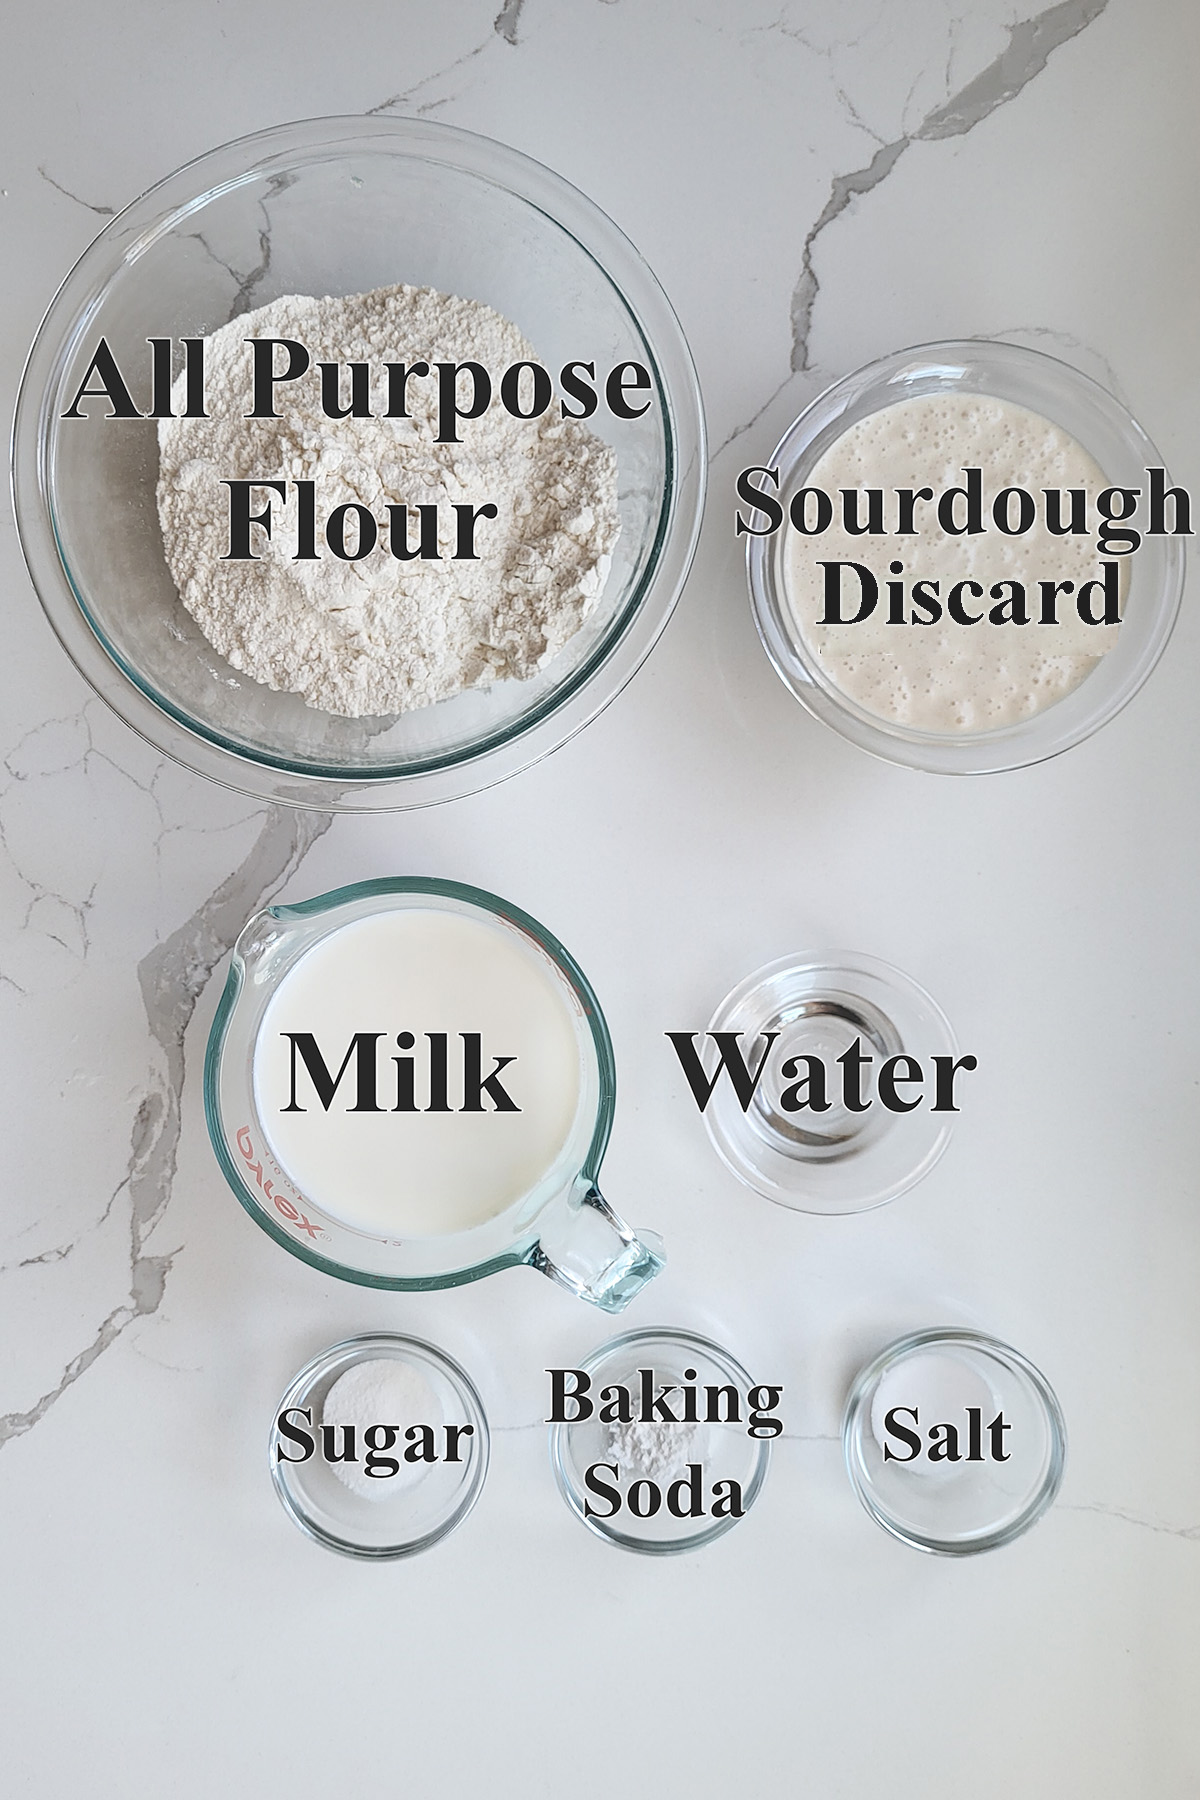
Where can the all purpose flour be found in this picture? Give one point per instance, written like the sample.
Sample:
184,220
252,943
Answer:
381,635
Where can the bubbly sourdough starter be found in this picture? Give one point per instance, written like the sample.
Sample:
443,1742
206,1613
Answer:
415,1174
949,677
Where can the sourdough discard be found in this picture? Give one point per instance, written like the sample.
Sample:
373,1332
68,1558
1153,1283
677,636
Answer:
380,635
947,677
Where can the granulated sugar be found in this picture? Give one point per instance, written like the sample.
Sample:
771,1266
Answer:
382,1391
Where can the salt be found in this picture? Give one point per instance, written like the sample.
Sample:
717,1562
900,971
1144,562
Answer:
938,1386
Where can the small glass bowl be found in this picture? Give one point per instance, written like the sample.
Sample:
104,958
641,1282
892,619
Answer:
419,1514
1115,440
341,206
723,1451
954,1508
839,1161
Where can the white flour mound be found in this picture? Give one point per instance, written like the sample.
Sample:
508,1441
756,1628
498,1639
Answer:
383,636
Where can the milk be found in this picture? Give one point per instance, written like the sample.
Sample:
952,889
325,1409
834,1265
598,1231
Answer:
948,677
419,1071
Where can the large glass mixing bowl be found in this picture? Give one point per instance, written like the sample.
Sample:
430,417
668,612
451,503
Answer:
340,206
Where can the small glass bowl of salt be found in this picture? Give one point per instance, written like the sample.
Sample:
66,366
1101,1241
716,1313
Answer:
954,1442
379,1447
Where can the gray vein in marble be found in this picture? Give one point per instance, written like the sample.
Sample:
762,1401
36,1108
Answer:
48,732
504,26
105,212
172,977
44,900
407,95
853,113
1080,353
749,424
60,1252
1031,42
507,20
249,279
951,38
796,32
1189,1533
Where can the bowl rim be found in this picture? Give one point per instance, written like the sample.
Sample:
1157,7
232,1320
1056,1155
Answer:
856,1412
391,1343
559,1436
997,365
612,660
803,1195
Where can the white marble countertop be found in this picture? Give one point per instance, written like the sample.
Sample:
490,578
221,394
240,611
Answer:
814,185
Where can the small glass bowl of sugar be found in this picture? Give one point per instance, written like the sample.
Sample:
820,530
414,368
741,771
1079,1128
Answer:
379,1447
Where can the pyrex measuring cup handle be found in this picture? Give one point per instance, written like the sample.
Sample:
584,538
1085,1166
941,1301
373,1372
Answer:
586,1247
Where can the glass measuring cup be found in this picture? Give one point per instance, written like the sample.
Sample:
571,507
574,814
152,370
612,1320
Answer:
561,1225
